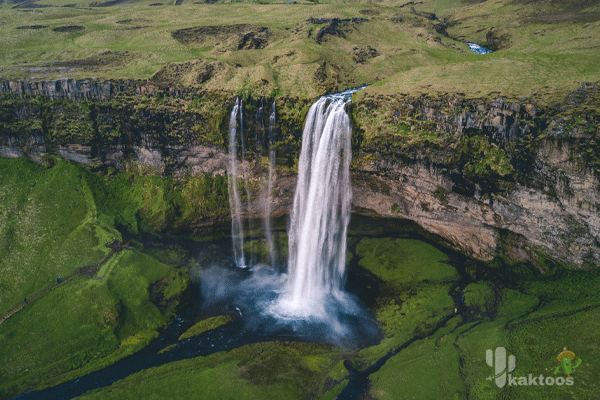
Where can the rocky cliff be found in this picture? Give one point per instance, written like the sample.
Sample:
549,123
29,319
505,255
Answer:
506,178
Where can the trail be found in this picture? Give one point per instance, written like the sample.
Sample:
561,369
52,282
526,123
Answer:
90,270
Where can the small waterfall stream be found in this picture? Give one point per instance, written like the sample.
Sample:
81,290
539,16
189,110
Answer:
237,227
269,196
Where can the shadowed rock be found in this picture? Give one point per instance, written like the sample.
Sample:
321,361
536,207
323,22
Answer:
363,53
334,27
239,37
32,27
69,28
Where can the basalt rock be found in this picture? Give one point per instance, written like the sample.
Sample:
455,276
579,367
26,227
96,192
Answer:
501,177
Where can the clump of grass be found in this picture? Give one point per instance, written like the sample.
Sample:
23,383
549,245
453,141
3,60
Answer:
205,325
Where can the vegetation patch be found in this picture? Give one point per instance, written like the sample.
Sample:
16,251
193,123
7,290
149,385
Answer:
53,222
69,28
282,370
242,36
205,325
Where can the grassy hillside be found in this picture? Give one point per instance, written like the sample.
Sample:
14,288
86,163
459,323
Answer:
54,221
544,49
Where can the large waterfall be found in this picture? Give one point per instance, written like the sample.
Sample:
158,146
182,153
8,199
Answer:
321,211
310,297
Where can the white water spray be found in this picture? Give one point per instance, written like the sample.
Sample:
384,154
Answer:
309,298
321,212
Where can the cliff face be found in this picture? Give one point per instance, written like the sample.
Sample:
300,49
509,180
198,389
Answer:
498,178
491,178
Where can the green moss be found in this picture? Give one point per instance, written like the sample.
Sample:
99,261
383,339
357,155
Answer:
426,369
259,371
148,203
406,261
338,371
414,298
333,393
48,227
55,222
480,297
205,325
417,313
515,303
482,161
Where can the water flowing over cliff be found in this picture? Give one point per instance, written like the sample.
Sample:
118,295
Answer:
321,212
237,227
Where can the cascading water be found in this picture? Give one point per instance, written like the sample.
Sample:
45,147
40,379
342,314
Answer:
235,203
271,177
246,186
309,299
321,211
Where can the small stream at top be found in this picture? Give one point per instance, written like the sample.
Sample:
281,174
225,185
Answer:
479,49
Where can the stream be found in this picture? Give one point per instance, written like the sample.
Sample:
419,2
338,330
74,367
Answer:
244,329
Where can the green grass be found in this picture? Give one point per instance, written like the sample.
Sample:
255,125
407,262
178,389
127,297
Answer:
52,222
542,59
205,325
426,369
405,261
416,282
260,371
534,323
48,226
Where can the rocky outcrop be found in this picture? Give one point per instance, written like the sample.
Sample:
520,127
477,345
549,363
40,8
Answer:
489,178
500,178
239,37
84,89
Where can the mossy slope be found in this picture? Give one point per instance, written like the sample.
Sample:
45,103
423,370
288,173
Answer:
54,223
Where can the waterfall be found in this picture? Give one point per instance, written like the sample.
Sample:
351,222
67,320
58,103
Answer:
321,211
271,177
310,298
235,203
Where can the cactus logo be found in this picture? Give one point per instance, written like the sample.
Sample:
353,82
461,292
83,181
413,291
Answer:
501,364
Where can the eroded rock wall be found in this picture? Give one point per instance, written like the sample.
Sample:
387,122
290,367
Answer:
490,178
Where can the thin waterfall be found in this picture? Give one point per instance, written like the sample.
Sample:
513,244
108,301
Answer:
235,203
321,210
271,178
246,180
259,131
